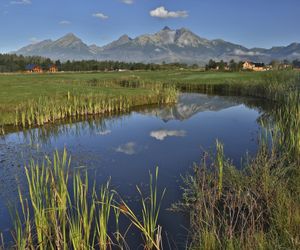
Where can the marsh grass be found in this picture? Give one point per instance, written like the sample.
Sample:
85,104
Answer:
103,100
49,110
287,118
56,216
256,209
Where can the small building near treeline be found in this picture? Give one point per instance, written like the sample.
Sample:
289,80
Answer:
255,66
53,68
33,68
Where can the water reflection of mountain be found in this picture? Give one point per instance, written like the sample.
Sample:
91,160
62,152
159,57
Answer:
190,104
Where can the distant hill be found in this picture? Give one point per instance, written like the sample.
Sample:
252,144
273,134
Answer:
167,45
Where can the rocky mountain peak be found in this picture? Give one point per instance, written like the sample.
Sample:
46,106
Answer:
166,28
124,38
68,39
70,36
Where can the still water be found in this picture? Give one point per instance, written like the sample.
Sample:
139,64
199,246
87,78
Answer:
126,147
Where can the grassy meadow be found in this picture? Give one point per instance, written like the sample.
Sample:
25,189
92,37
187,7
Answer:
17,88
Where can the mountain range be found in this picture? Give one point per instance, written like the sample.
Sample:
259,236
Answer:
167,45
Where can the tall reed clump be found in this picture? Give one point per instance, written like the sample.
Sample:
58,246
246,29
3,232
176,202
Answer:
51,218
48,204
55,216
47,110
287,120
255,208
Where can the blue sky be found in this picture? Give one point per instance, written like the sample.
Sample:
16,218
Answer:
252,23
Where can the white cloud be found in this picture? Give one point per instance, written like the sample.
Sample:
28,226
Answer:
295,54
128,148
105,132
100,15
64,22
24,2
127,1
162,134
161,12
246,53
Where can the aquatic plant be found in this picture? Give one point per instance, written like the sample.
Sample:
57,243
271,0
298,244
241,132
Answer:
104,211
82,212
47,110
56,217
220,165
248,213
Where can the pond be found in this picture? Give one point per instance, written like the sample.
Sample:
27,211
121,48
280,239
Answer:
126,147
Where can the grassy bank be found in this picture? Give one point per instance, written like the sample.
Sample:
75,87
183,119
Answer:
255,208
30,100
35,99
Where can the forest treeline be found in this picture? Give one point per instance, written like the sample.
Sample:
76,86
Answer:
15,63
18,63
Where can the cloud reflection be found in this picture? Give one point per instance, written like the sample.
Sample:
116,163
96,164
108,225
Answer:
105,132
162,134
128,148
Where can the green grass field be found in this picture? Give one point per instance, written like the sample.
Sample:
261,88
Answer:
17,88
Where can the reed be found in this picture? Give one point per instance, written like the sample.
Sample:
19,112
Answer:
22,234
220,165
55,216
105,204
48,110
253,209
82,212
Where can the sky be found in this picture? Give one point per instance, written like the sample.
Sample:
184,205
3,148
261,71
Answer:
252,23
